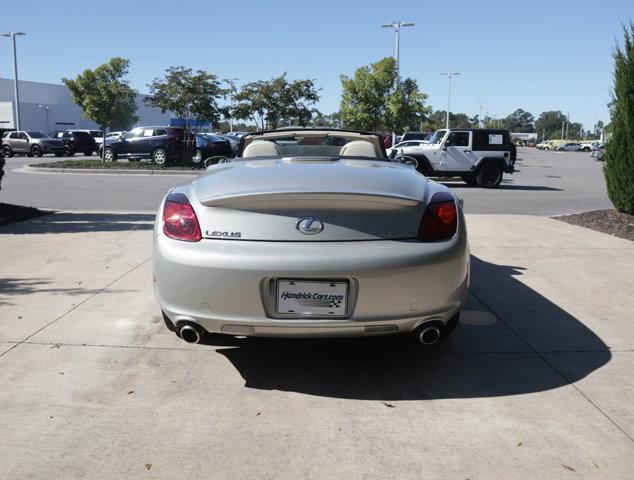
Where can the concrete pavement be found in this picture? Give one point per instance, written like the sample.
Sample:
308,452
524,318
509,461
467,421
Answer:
535,383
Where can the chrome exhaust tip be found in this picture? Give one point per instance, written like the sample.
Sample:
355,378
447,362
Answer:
191,333
429,335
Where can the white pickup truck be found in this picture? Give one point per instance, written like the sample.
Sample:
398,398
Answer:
479,156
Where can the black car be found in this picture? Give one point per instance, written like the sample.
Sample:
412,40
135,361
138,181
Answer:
76,141
210,145
234,141
159,144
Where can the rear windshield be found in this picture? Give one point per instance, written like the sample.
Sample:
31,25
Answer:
310,147
84,135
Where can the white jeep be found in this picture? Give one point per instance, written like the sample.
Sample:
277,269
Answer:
479,156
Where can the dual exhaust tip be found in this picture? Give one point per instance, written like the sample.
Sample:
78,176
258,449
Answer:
426,335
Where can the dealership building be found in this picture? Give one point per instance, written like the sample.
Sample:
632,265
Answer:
46,107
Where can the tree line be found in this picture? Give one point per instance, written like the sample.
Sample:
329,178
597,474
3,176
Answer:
373,99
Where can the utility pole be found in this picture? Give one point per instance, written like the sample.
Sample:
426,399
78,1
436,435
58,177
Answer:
12,35
449,75
567,124
397,47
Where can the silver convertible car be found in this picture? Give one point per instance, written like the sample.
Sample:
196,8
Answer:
311,233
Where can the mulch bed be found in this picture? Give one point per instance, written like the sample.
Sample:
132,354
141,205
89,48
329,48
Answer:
98,164
17,213
605,221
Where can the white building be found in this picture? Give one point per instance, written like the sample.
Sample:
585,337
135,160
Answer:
47,107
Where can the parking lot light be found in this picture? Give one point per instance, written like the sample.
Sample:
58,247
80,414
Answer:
12,35
449,75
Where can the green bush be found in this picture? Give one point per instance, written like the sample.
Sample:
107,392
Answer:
619,151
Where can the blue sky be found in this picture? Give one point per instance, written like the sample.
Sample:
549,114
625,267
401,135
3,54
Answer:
537,55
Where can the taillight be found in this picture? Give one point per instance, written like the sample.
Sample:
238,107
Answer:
440,219
179,219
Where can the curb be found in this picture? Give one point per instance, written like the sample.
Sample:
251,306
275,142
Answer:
109,171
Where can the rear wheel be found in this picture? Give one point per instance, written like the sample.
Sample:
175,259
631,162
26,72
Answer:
489,175
6,151
68,151
159,156
36,151
198,157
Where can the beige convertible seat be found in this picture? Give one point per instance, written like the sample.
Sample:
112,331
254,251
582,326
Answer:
358,148
261,148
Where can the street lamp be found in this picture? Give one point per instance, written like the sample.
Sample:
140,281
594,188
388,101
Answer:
397,30
449,74
46,110
12,35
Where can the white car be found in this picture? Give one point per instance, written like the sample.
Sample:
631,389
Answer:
311,233
406,148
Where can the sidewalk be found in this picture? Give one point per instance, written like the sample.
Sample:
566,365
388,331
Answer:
536,382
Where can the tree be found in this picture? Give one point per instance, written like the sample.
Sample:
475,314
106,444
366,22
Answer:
191,96
619,151
549,124
520,121
271,103
374,99
332,120
104,95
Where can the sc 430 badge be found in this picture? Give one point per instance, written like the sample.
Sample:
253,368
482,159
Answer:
219,234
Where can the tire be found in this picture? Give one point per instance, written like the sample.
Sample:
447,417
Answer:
489,175
586,149
88,154
36,151
470,179
110,155
6,151
198,157
159,156
546,149
69,152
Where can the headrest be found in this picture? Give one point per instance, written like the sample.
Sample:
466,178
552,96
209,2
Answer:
358,148
261,148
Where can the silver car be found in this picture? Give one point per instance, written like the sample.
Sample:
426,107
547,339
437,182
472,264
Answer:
311,233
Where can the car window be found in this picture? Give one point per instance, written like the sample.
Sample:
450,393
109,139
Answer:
160,131
137,132
13,134
148,132
22,136
458,139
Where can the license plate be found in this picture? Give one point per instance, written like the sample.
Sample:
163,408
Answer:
323,298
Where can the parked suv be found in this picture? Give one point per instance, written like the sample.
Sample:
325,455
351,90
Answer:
479,156
160,144
30,143
76,141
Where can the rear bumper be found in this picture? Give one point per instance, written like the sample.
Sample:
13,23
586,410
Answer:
225,285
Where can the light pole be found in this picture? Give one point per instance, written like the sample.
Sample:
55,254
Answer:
449,75
397,52
12,35
232,88
480,105
46,109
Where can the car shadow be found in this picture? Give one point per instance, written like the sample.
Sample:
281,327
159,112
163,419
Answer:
78,222
503,186
500,348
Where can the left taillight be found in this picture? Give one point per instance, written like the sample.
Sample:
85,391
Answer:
440,220
179,219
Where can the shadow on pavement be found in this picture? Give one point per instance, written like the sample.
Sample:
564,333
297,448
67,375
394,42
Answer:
505,186
496,355
77,222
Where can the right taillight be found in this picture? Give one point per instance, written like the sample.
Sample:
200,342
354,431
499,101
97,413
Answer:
179,219
440,219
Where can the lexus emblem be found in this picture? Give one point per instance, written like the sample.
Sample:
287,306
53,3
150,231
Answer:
309,225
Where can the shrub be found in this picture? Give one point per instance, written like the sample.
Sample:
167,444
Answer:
619,151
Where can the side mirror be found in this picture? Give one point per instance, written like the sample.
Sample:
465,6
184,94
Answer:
406,160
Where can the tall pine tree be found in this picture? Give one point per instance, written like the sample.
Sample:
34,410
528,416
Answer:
619,151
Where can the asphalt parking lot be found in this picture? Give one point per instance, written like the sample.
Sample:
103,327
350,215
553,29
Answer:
547,183
536,381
